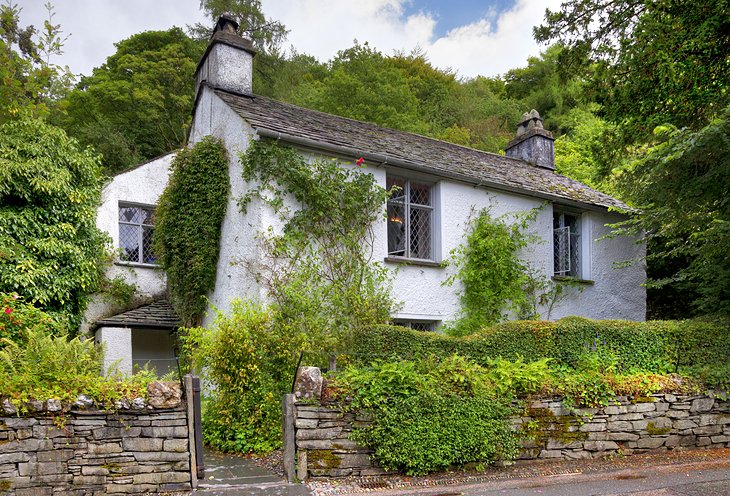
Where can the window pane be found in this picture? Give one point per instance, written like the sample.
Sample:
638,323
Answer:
398,187
147,214
129,214
561,251
396,230
574,254
147,256
420,194
129,242
420,239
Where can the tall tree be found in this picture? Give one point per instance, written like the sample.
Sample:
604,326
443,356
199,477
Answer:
50,247
29,82
661,75
137,105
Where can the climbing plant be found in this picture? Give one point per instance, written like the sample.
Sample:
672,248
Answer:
188,225
495,280
318,269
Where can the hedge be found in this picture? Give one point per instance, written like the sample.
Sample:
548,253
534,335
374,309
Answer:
655,346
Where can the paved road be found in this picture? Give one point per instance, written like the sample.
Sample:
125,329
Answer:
693,479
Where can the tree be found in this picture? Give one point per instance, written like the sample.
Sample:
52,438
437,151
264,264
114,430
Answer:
50,247
659,62
266,34
137,105
29,83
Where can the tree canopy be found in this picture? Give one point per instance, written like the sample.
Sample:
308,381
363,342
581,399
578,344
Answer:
137,105
50,247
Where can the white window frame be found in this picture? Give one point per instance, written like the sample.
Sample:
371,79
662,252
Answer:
140,233
432,210
428,325
578,239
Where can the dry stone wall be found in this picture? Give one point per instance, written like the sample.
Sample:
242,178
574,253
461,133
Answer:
139,449
630,425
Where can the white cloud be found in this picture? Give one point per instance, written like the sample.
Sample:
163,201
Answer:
488,46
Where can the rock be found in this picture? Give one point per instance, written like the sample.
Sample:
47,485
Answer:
122,404
164,394
8,407
702,405
84,401
308,384
600,445
53,405
138,404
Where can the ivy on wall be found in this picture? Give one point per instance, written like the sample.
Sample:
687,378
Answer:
319,270
188,225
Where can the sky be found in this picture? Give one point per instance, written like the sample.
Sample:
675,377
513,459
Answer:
470,37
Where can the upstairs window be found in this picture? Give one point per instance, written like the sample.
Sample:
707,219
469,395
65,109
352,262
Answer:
136,226
410,219
566,244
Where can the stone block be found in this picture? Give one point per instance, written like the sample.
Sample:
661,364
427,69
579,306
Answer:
577,454
554,444
592,427
14,457
61,455
642,407
650,442
306,434
104,448
94,470
689,440
20,423
176,445
89,480
159,456
166,432
708,430
615,410
42,468
600,445
677,414
629,416
622,436
34,491
670,398
130,488
702,405
164,394
703,441
708,419
720,439
142,444
308,383
306,423
162,478
619,426
682,424
662,407
343,444
550,454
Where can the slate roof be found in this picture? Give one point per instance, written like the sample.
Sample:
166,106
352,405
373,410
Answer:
422,153
158,314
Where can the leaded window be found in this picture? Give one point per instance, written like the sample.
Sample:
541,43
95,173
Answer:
136,226
566,244
410,219
417,325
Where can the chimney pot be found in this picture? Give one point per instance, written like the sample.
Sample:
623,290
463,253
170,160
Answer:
533,143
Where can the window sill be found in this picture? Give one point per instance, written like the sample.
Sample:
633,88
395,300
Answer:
412,261
575,280
137,264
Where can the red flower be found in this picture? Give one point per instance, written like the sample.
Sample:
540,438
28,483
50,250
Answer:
8,311
360,161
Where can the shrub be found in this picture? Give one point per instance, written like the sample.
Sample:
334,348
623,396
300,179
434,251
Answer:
249,363
56,367
428,432
18,317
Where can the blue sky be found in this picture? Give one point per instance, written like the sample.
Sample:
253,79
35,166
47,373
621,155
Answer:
471,37
455,13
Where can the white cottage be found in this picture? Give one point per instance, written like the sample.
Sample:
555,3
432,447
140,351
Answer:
443,184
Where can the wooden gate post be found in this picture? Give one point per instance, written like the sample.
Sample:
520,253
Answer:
288,439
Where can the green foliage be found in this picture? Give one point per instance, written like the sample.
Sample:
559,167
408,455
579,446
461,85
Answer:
29,83
50,247
137,105
17,318
494,279
56,367
188,225
426,433
616,346
431,415
249,361
319,270
687,218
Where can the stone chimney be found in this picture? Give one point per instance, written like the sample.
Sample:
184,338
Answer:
228,61
533,143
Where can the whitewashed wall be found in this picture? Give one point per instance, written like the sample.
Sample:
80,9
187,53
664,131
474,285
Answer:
143,185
